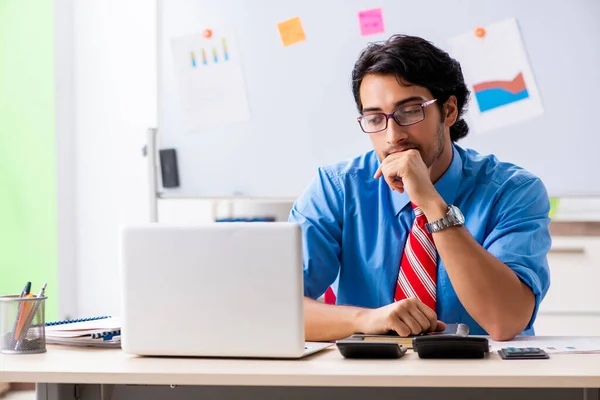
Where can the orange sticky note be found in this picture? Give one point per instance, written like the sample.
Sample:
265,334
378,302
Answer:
291,31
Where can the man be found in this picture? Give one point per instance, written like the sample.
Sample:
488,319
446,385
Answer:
420,232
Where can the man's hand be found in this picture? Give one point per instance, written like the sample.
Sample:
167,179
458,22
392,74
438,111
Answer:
405,317
406,170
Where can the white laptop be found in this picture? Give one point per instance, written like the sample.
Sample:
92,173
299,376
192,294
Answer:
229,289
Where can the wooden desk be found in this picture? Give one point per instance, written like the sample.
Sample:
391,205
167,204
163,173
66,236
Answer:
102,368
4,386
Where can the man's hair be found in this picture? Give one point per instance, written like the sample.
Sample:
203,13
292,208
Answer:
416,61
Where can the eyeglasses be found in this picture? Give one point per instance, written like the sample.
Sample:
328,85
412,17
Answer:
407,115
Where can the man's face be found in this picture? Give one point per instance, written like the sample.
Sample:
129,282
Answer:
383,93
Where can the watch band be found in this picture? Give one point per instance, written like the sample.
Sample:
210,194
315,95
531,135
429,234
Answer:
453,217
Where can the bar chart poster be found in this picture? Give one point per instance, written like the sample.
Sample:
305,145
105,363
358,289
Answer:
499,75
208,69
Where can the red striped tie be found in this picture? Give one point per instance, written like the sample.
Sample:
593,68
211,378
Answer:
329,297
418,268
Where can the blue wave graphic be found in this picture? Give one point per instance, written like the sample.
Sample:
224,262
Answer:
493,98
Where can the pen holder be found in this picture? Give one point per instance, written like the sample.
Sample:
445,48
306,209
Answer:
22,325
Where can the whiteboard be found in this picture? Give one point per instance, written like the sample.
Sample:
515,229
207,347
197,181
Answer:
302,112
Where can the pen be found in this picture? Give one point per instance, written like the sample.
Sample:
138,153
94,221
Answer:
26,289
29,318
37,303
24,293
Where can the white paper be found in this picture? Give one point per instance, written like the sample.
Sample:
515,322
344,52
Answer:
552,344
497,56
211,84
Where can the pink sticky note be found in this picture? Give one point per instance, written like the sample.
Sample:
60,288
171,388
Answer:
371,22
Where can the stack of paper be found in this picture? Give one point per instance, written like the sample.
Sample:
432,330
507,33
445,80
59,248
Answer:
553,344
99,332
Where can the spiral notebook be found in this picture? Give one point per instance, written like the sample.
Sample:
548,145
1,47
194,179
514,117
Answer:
102,331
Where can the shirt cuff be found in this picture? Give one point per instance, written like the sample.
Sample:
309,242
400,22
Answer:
531,279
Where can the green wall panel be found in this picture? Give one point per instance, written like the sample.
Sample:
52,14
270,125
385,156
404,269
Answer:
28,226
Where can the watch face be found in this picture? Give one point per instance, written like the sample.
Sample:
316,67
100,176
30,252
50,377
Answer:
457,214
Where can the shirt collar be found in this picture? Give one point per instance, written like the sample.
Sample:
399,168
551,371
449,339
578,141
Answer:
447,185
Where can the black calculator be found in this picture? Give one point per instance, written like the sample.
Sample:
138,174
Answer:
522,353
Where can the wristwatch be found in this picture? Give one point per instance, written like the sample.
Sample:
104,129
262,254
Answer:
454,217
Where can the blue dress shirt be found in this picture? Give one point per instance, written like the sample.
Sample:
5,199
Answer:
354,229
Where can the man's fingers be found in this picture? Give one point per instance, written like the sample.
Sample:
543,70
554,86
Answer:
429,314
400,327
397,185
392,179
413,325
378,173
390,172
388,169
441,326
422,320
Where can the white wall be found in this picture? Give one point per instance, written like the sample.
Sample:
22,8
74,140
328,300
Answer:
115,102
114,55
65,157
114,97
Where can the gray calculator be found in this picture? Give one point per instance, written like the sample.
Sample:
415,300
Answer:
522,353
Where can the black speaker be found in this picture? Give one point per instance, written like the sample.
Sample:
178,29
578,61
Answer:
168,168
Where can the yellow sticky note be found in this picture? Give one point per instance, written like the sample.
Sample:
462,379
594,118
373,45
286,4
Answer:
291,31
554,202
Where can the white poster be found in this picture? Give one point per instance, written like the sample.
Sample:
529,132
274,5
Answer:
498,74
211,84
